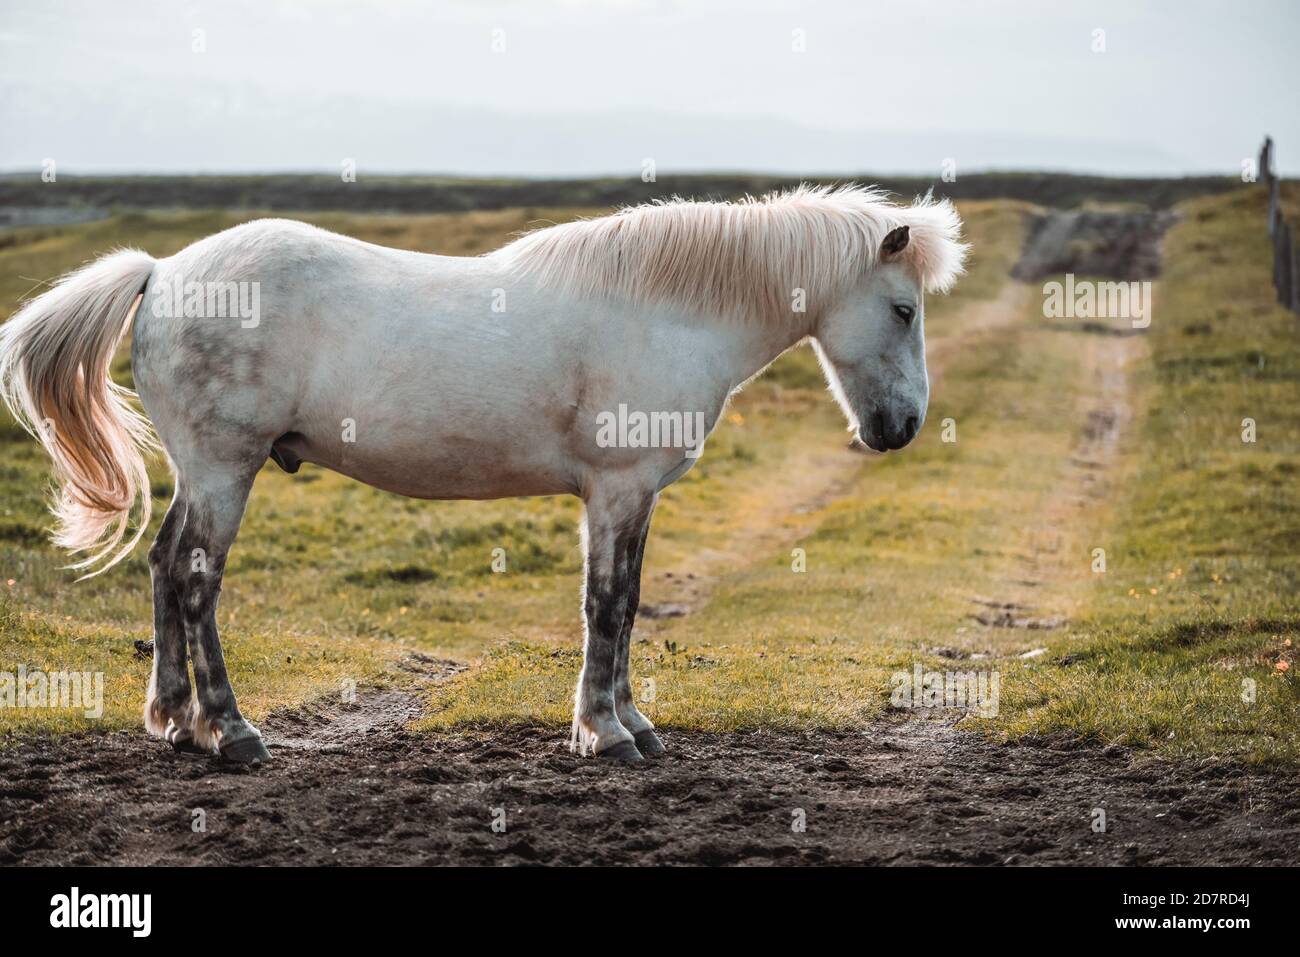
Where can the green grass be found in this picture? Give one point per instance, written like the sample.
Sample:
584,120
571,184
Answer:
331,580
1211,523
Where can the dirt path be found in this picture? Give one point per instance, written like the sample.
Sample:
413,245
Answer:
1119,245
1058,539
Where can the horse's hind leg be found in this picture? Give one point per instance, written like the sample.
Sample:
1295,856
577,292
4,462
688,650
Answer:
629,716
167,707
215,497
612,526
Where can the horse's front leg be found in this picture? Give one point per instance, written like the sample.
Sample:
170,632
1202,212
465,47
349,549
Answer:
629,716
612,528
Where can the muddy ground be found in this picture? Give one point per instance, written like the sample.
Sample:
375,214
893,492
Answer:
349,785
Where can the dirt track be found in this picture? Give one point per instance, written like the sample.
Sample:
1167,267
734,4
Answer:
350,786
1115,245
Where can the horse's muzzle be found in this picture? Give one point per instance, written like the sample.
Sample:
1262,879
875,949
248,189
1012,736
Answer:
885,433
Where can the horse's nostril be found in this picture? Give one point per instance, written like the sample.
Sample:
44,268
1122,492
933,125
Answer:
912,426
878,428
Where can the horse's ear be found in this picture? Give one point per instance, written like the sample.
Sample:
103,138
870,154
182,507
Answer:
894,243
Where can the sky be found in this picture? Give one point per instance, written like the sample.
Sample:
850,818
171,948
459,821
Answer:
568,88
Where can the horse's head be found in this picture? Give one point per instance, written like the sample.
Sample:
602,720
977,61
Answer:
872,343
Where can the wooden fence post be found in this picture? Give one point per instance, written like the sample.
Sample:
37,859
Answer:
1294,304
1283,258
1274,206
1286,251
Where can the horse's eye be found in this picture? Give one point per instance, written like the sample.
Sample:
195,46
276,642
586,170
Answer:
904,312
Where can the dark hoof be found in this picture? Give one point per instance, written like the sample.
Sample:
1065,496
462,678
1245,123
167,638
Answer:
249,750
623,751
648,743
187,746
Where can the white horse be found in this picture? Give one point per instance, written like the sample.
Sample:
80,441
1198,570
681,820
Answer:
456,378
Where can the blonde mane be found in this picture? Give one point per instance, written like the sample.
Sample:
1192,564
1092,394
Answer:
745,258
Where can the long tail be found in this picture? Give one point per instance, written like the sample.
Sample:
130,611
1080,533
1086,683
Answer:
54,377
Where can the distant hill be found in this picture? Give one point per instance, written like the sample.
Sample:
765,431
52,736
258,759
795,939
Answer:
427,194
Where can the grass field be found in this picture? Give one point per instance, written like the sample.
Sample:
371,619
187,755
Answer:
333,581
